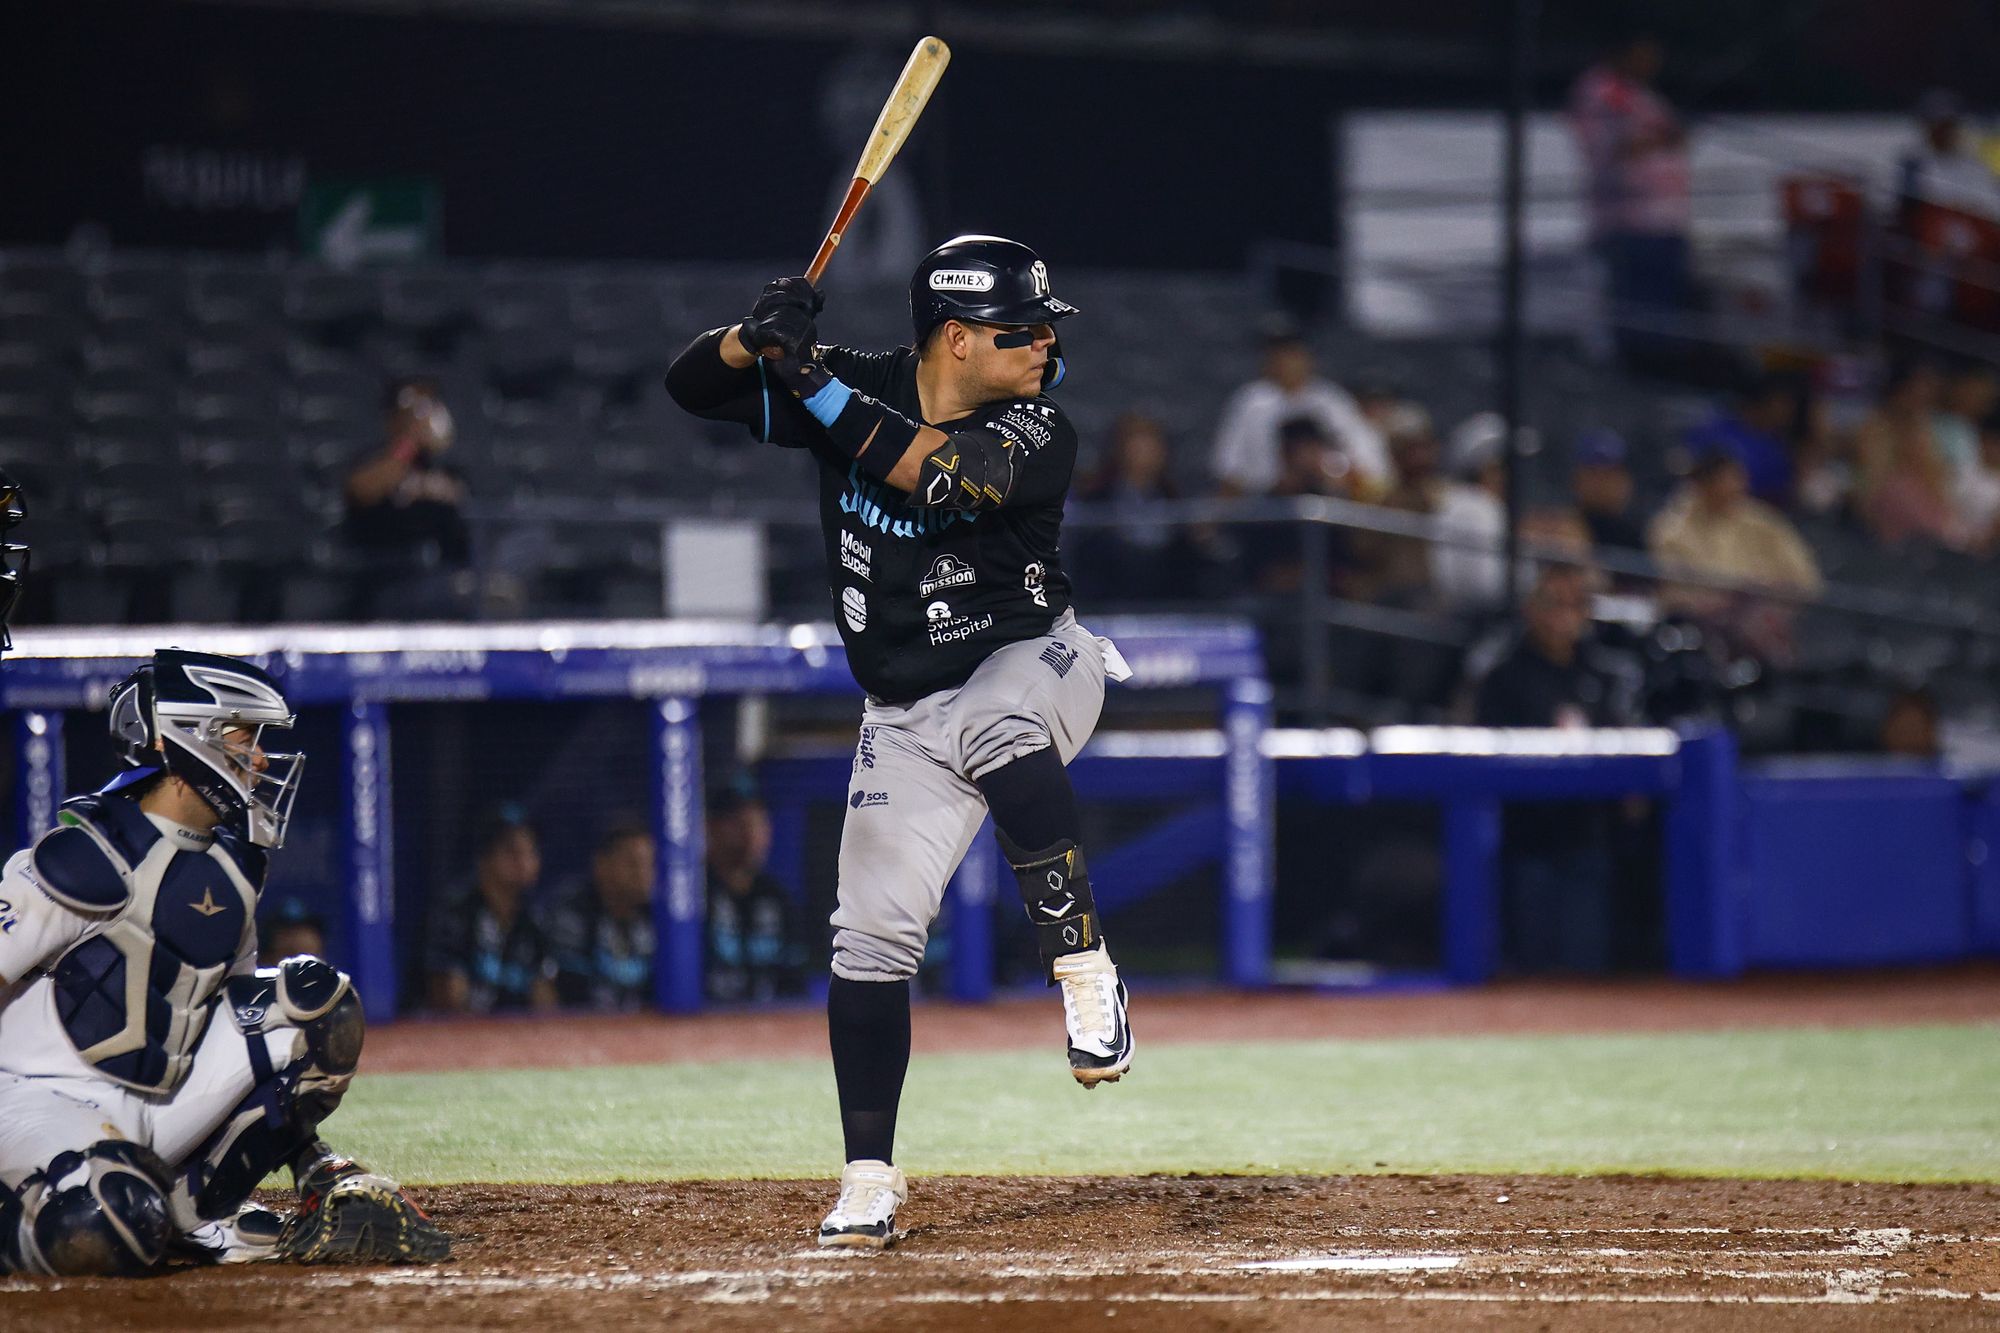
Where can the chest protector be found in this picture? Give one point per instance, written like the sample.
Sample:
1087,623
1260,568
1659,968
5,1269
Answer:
135,993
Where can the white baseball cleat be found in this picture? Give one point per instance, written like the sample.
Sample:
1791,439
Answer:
864,1217
1100,1038
248,1237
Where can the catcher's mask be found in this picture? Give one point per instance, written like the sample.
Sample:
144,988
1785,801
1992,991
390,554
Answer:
202,718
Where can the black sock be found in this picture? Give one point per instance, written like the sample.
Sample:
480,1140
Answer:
1031,801
868,1026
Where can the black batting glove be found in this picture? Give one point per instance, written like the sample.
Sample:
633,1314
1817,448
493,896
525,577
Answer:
800,371
782,319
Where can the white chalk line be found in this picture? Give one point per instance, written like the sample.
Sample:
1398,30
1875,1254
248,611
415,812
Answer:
1830,1268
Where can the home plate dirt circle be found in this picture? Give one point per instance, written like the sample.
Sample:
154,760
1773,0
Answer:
1395,1252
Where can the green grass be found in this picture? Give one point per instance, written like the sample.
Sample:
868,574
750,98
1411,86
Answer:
1901,1104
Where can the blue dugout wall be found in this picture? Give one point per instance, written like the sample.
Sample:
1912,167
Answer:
1792,864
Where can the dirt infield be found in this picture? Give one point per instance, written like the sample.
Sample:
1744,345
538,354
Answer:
1379,1252
1554,1255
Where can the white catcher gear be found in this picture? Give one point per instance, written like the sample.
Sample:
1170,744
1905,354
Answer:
204,717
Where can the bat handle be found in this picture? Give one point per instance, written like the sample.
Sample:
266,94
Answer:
856,192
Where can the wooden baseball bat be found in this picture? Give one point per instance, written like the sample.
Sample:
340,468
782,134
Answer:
906,102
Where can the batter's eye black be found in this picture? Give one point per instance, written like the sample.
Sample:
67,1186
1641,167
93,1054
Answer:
1007,336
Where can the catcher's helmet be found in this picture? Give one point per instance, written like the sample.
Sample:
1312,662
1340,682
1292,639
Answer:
983,278
200,717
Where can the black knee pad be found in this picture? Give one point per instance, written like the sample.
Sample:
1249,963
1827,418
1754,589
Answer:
1055,888
100,1212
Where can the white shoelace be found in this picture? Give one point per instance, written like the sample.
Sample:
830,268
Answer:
1091,999
864,1200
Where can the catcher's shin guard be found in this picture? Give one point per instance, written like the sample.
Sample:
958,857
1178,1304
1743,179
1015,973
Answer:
276,1122
1055,887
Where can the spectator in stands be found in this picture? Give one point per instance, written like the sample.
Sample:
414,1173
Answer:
486,950
1136,558
756,949
1822,471
403,519
1310,463
1380,400
1968,397
1635,160
600,926
1713,527
1467,568
1943,166
1557,858
1248,448
1600,483
1905,488
1979,494
1386,568
1909,726
289,929
1757,428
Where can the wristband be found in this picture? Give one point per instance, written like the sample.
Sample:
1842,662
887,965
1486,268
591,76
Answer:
828,402
870,432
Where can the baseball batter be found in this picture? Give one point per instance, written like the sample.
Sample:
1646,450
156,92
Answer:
943,467
151,1076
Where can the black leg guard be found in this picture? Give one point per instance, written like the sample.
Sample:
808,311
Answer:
1055,887
274,1125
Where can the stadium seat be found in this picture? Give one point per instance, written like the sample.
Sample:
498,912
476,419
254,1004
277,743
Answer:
335,309
142,289
244,395
234,294
431,310
344,399
133,342
33,284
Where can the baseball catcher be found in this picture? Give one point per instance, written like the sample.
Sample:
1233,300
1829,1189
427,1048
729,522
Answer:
151,1076
943,467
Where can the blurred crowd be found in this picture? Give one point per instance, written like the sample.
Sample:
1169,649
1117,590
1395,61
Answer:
501,939
1908,468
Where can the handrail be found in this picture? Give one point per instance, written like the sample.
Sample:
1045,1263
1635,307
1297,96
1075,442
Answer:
1854,600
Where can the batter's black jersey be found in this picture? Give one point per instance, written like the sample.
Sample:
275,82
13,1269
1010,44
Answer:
922,596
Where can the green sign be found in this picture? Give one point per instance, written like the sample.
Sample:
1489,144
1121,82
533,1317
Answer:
353,222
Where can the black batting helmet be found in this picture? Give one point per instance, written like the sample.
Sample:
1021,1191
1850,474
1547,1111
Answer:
984,278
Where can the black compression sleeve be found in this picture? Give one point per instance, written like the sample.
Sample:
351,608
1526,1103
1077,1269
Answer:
872,433
868,1026
699,380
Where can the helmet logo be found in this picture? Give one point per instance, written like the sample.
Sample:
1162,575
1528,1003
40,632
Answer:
1039,275
965,280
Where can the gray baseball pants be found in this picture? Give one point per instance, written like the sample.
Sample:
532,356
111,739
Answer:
912,806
